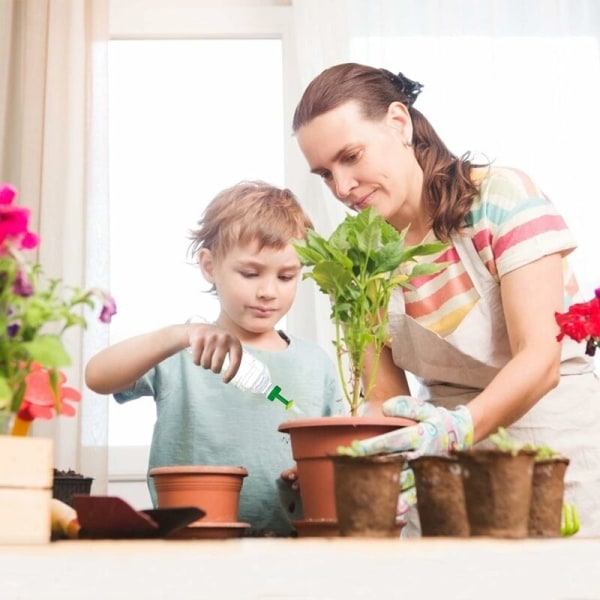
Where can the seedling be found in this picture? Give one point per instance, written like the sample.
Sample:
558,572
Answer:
505,443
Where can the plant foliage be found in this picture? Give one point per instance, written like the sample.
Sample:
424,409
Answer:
358,268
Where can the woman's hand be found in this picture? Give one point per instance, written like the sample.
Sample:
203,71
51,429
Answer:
437,431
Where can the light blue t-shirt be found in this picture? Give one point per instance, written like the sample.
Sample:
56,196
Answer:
203,421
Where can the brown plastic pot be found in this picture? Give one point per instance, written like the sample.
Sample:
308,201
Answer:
366,494
214,489
314,442
547,497
440,496
497,488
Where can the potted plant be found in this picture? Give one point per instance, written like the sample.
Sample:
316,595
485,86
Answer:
34,314
357,267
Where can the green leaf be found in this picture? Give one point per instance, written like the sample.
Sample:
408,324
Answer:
49,351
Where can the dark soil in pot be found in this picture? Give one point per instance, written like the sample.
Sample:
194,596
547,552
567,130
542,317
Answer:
547,497
366,495
497,487
440,496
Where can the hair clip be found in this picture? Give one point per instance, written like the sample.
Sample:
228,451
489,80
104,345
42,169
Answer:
410,89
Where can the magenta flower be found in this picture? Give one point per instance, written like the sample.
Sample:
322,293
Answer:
14,222
35,311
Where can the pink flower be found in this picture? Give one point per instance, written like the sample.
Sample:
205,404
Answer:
40,402
14,222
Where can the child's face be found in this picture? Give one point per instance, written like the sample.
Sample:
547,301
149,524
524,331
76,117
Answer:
256,288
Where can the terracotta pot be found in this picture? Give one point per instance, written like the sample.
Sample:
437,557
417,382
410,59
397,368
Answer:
440,496
497,488
314,442
214,489
547,497
366,494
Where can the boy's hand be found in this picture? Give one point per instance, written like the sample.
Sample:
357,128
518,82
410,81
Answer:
290,476
209,345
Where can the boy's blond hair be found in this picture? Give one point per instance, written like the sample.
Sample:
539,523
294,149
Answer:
246,212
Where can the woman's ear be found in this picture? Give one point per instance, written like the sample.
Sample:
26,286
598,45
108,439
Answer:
398,118
207,264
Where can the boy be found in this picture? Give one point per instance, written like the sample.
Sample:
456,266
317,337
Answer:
243,246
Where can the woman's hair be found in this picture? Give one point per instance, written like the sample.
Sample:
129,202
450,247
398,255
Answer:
246,212
447,187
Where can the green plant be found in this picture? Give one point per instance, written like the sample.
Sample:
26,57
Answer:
569,524
358,268
503,442
35,311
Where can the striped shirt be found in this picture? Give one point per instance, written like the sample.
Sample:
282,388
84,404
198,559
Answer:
511,223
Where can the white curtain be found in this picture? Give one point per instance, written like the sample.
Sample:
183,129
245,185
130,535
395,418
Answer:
52,148
516,81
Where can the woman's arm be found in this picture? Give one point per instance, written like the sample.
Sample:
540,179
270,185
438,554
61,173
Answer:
530,295
390,381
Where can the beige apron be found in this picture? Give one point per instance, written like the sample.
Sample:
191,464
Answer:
454,369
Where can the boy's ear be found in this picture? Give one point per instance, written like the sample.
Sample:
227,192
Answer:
207,264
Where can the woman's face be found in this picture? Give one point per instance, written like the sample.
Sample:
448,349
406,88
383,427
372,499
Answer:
365,162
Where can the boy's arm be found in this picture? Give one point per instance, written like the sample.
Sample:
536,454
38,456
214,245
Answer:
117,368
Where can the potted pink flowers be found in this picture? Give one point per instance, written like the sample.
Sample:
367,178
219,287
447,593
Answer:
34,314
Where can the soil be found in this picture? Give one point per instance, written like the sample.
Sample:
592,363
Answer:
68,473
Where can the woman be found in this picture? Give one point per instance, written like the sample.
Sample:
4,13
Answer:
481,335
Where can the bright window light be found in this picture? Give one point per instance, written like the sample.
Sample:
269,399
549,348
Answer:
187,119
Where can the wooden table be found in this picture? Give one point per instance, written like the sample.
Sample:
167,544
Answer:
303,569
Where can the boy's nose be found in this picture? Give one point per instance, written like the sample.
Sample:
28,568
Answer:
266,289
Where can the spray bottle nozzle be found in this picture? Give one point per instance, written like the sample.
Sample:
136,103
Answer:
274,394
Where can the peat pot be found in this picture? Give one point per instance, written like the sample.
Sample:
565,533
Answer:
366,494
547,496
497,488
440,496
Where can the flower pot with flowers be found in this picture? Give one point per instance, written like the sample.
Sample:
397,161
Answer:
357,268
34,314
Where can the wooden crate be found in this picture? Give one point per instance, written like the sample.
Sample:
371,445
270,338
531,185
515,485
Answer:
25,489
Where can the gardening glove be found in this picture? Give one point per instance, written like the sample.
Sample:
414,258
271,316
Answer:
438,431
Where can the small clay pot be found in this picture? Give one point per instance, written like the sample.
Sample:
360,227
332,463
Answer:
497,487
366,495
214,489
547,496
440,496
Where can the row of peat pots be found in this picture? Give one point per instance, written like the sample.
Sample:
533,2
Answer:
477,492
490,493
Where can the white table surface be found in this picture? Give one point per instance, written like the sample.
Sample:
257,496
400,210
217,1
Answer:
303,569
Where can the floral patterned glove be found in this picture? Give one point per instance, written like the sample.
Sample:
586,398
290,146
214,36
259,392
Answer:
438,430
